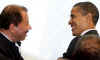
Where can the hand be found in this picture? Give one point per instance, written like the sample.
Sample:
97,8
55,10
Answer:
60,58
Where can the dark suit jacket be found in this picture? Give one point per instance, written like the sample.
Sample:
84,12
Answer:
72,46
8,50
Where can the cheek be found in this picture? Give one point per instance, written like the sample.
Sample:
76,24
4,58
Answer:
80,22
78,27
83,24
20,30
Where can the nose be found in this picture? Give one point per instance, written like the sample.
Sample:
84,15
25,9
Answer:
29,27
70,21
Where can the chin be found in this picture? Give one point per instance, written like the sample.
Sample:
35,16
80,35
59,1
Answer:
74,34
22,39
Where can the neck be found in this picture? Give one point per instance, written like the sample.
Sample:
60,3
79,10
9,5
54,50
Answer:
8,34
88,28
86,31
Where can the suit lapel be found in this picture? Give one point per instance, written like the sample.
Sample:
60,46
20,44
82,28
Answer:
9,48
71,47
74,43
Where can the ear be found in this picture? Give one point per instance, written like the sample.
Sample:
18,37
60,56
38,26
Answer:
12,28
89,18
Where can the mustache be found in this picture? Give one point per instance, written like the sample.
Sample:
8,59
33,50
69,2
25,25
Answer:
27,31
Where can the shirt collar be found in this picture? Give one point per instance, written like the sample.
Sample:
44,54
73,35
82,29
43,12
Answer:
86,31
10,39
6,36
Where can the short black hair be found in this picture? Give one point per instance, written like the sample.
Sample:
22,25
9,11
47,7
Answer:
11,14
88,7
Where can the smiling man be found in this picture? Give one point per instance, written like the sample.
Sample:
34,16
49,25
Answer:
84,17
14,26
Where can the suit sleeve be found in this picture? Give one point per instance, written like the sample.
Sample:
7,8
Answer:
2,57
